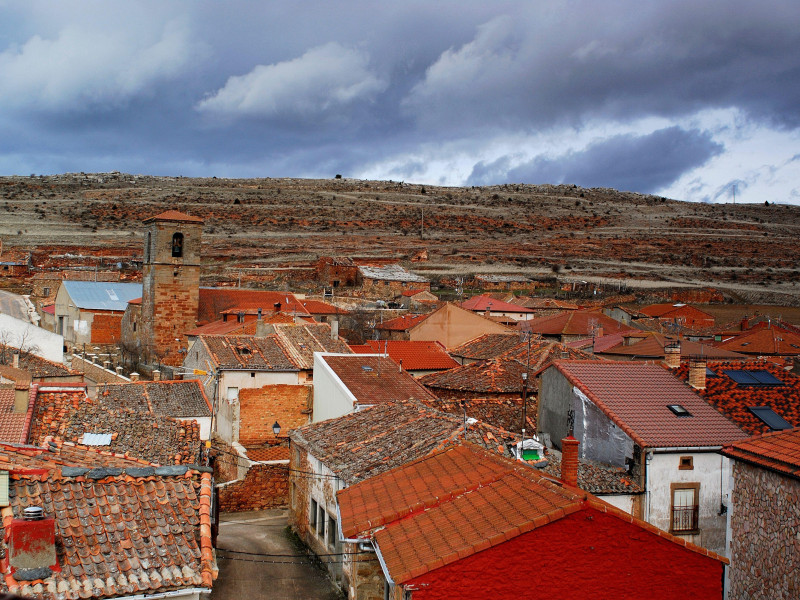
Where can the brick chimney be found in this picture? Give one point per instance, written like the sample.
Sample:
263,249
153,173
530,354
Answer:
134,377
32,545
697,373
15,360
156,375
569,460
672,355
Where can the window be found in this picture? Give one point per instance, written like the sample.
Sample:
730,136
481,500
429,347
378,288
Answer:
332,533
46,291
252,374
685,507
679,410
312,515
147,249
177,245
134,325
320,520
686,463
770,418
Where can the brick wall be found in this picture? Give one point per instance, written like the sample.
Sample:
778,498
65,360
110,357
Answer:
106,327
264,486
765,543
260,408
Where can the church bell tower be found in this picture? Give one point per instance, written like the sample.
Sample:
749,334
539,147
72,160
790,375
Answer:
171,283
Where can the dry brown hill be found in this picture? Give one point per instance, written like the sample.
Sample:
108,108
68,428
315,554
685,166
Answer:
257,225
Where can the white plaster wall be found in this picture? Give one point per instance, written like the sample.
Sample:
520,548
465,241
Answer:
332,399
623,502
712,471
36,340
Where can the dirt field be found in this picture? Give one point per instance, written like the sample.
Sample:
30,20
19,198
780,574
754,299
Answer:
254,226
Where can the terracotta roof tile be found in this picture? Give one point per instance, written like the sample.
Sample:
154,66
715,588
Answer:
67,414
653,347
636,396
402,323
179,399
137,532
12,425
505,413
595,477
733,400
448,505
317,307
484,303
245,352
212,301
486,346
777,451
579,322
375,379
365,443
413,355
765,342
39,367
299,342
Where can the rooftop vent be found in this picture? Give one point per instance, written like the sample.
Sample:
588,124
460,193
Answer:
33,513
366,368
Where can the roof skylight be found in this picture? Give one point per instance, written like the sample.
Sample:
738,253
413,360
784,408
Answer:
679,410
770,418
753,378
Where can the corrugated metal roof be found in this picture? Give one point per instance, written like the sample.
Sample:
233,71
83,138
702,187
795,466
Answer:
102,295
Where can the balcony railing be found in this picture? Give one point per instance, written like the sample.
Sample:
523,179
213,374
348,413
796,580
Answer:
685,518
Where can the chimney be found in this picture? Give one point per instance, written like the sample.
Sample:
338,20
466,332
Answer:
263,329
15,360
32,545
697,373
134,377
672,355
335,329
277,307
156,375
569,460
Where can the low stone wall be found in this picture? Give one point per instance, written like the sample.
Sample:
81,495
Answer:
765,544
265,486
96,372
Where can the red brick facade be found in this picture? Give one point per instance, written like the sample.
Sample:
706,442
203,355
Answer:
106,327
259,409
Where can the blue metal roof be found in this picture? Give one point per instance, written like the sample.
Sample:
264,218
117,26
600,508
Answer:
102,295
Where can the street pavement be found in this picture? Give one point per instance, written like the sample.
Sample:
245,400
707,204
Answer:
266,563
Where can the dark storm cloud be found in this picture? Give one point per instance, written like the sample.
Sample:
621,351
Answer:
645,163
326,87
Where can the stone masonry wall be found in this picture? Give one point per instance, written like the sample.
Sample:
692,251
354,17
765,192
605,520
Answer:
765,535
96,372
264,487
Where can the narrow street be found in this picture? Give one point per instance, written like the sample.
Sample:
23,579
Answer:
257,559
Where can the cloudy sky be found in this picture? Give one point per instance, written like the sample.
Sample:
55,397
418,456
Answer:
691,100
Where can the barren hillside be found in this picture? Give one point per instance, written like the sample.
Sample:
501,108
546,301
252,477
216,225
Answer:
257,225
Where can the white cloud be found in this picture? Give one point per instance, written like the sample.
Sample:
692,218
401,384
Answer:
82,70
324,78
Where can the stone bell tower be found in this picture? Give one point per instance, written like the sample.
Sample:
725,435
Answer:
171,283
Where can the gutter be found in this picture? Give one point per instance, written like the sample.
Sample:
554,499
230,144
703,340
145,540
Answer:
695,449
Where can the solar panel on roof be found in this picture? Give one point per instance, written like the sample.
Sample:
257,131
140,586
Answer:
759,377
772,419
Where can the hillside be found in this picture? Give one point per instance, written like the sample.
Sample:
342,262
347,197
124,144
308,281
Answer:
254,226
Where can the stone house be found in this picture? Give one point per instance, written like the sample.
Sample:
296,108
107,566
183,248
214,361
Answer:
388,281
641,417
337,271
331,455
764,518
15,262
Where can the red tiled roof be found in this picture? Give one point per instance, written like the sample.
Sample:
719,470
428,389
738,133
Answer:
690,314
765,342
172,398
486,346
504,373
50,309
159,539
733,400
368,442
409,293
653,347
40,367
381,381
12,425
266,453
213,301
777,451
65,412
229,327
636,396
403,323
484,303
135,301
174,215
579,322
317,307
299,342
546,303
413,356
245,352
